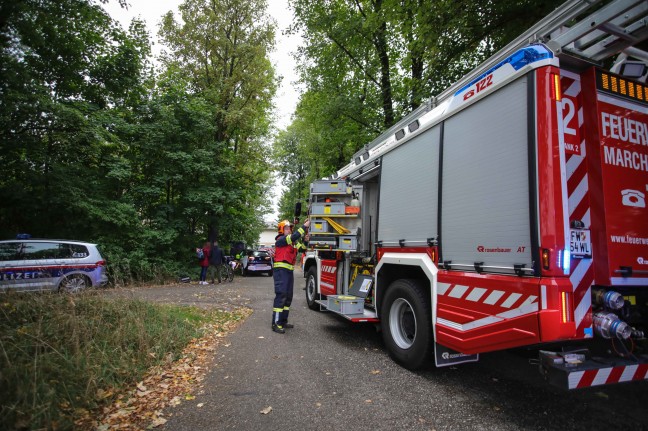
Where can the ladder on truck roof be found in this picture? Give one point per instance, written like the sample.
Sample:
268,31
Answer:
614,28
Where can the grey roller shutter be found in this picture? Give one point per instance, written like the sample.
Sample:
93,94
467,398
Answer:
485,183
409,191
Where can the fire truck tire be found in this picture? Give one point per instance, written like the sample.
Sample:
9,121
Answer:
405,324
311,289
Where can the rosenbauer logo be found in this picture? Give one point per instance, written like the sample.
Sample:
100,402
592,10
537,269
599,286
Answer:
642,261
448,355
482,249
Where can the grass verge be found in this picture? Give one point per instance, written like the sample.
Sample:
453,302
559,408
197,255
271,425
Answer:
61,354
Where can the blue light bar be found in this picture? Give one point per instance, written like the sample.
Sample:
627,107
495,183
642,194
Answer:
518,60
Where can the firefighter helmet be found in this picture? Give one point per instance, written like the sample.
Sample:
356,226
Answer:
282,225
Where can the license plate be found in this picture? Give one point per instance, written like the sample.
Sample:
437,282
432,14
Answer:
580,243
259,267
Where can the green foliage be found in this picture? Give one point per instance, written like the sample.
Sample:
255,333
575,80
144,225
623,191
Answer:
219,54
367,63
70,86
94,146
59,351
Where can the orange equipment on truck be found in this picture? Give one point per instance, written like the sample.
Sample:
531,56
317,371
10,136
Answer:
530,224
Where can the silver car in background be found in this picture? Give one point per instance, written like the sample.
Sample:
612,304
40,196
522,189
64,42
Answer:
47,264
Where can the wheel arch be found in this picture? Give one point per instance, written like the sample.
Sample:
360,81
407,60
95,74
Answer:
311,266
416,266
309,263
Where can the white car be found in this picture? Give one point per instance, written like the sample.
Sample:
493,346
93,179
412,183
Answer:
48,264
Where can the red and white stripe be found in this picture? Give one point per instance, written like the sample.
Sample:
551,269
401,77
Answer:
329,269
606,376
512,304
582,272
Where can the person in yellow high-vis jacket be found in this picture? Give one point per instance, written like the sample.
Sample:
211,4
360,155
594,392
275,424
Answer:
287,245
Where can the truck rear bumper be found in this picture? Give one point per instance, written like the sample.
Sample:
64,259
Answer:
580,372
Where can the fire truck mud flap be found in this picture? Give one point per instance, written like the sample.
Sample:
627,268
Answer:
445,356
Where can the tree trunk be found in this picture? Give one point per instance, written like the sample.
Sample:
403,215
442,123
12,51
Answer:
380,42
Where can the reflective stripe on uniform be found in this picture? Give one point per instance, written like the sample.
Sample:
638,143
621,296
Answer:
284,265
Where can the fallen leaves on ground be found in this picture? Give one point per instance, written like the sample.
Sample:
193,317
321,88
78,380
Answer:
142,407
266,410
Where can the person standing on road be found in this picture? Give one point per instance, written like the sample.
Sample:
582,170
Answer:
287,244
204,263
216,260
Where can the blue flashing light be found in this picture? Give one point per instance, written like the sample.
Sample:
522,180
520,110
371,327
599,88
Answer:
566,261
518,60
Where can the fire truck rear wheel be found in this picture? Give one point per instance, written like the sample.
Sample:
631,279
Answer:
311,289
405,323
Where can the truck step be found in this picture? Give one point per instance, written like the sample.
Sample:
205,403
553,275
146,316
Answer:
366,316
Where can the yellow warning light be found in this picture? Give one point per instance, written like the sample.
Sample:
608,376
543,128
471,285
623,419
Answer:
545,258
605,79
622,87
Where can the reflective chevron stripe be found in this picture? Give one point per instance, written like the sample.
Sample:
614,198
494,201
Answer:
513,304
582,272
605,376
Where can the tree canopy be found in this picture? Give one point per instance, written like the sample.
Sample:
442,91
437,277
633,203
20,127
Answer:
151,157
367,63
98,145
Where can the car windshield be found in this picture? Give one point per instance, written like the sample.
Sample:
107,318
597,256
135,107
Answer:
260,254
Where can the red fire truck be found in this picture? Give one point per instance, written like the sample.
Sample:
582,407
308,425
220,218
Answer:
508,211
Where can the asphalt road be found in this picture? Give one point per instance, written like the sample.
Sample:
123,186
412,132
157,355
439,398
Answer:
328,373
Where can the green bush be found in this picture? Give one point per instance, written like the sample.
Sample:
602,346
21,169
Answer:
57,351
138,263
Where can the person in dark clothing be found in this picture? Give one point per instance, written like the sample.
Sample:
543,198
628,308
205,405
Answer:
216,259
204,263
287,245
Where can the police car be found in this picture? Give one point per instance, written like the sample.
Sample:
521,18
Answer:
47,264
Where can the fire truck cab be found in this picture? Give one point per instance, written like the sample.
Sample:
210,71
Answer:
508,211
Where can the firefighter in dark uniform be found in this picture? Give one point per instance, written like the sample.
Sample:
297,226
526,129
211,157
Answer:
287,245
